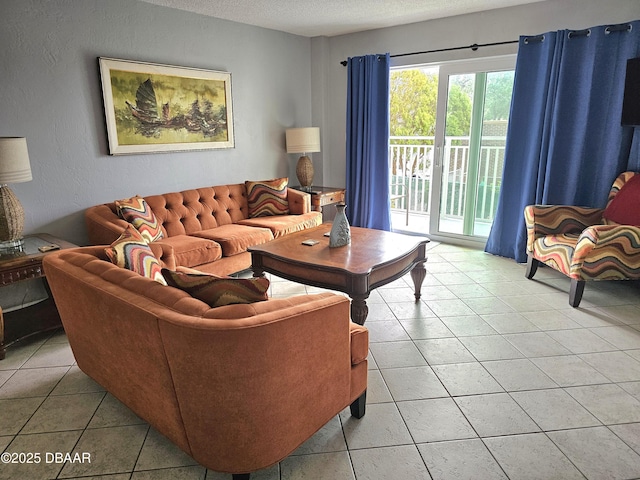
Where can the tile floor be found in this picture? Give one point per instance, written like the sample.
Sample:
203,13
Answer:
490,376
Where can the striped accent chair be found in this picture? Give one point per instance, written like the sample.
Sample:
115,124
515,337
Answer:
588,243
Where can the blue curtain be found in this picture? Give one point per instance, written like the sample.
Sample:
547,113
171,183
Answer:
565,142
368,142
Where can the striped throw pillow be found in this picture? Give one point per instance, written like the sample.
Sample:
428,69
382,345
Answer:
267,197
131,251
218,291
137,212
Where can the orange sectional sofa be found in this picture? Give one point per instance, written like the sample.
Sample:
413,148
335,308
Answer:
208,229
237,387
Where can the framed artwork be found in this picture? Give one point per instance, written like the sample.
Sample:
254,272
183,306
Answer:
162,108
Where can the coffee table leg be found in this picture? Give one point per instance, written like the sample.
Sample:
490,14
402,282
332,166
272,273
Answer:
418,272
359,309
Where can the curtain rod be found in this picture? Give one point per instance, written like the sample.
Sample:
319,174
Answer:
473,47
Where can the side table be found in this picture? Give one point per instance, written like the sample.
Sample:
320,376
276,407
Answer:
323,196
25,265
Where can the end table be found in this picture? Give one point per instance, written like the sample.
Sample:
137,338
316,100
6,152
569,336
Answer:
323,196
25,265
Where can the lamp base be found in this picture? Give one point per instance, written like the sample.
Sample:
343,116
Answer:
11,247
304,171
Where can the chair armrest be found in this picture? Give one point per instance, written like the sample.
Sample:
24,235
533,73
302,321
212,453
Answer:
299,202
543,220
607,252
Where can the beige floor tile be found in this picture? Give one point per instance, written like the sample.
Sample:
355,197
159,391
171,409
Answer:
113,450
76,381
495,414
509,323
616,366
490,347
609,403
181,473
466,379
554,409
158,452
518,374
460,460
581,340
521,456
112,413
536,344
598,453
389,462
629,433
382,426
435,420
51,355
468,325
66,412
323,466
439,351
16,412
569,371
32,382
425,328
377,390
328,439
396,354
413,383
41,443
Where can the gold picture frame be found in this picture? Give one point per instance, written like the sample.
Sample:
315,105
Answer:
151,107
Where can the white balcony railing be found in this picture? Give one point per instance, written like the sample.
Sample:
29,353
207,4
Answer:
411,164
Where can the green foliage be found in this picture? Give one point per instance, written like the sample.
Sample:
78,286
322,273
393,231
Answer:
497,102
458,112
413,100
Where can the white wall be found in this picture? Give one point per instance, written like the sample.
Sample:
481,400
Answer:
50,93
485,27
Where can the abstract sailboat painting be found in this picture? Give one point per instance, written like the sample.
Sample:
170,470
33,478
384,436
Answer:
161,108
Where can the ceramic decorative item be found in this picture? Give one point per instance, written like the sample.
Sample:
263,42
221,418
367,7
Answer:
340,230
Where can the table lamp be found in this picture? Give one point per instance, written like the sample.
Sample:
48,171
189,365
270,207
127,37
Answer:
303,140
14,168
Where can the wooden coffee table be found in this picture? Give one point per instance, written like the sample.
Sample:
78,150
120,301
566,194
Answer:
374,258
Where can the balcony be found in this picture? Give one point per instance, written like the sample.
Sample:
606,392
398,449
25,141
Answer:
411,172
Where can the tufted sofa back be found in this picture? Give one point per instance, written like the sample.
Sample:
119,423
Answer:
190,211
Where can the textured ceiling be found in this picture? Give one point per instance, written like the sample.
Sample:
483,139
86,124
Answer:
312,18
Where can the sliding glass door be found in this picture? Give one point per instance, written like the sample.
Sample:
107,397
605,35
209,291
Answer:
473,111
448,132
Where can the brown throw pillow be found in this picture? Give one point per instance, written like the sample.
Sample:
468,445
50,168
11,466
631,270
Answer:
218,291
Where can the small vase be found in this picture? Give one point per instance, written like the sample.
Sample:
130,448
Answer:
340,231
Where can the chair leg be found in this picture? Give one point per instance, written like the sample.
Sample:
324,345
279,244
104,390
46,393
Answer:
532,266
358,406
240,476
575,294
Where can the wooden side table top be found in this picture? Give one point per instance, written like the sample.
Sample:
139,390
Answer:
28,263
321,196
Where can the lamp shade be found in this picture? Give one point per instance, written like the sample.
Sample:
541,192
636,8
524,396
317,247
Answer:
303,140
14,160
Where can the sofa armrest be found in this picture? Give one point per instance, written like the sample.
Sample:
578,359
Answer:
607,252
103,224
299,202
543,220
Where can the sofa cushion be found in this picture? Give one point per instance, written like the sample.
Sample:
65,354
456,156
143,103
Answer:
137,212
190,251
624,209
218,291
281,225
235,238
131,251
267,197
